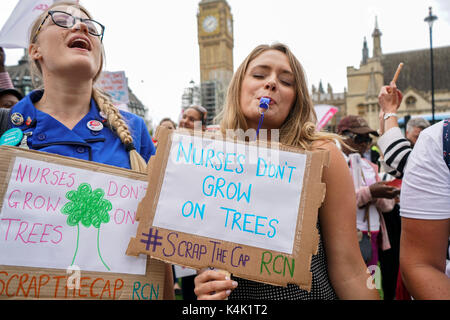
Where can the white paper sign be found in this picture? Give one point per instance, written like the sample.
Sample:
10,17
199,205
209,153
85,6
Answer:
116,85
181,272
210,189
56,216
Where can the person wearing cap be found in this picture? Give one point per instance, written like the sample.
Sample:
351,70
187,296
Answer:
9,98
373,196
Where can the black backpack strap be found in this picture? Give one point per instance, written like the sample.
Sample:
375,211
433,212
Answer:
4,117
446,142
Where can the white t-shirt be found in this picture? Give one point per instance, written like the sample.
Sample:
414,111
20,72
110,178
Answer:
426,185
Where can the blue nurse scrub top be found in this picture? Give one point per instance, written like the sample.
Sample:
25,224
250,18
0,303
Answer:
50,135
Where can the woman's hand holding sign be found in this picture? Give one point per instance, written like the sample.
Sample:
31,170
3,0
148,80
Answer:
213,285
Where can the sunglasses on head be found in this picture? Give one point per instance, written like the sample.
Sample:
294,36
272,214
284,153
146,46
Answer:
358,138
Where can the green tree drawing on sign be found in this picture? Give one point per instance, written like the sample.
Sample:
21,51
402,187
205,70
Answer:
89,208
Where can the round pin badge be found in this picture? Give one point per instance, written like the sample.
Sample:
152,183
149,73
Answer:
95,125
12,137
17,119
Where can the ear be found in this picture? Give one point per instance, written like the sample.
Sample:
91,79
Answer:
34,51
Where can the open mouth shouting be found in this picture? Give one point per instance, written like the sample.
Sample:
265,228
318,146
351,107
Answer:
80,42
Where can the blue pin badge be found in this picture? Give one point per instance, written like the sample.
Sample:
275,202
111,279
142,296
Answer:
11,137
263,107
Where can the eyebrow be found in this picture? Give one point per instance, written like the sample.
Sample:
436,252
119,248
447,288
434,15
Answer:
266,67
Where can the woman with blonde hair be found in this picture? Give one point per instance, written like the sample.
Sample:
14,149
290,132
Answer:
338,270
69,116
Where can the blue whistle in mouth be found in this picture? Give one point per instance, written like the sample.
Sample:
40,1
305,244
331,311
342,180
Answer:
264,103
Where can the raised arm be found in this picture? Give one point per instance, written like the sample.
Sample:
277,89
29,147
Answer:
394,147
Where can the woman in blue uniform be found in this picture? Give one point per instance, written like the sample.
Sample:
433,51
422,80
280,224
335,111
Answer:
70,117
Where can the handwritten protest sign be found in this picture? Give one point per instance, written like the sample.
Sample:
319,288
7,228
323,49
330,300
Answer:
248,209
116,85
63,219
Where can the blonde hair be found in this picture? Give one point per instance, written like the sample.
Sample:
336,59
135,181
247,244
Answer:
104,103
298,129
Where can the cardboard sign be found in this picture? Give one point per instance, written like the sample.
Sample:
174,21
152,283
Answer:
116,85
65,225
246,208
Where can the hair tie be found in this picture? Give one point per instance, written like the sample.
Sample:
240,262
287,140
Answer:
130,146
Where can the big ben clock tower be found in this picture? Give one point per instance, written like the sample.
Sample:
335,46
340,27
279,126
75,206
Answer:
215,39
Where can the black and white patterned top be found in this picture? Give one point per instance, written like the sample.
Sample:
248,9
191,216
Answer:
396,150
321,288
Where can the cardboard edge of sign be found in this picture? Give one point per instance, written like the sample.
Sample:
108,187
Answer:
306,238
155,269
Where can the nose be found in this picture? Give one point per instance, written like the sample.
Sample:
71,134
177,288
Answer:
81,26
270,85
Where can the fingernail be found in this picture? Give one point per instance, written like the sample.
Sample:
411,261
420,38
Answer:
227,278
235,284
228,292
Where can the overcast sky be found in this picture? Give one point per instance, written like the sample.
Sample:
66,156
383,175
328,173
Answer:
155,42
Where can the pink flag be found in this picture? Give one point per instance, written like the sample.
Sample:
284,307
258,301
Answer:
15,32
324,114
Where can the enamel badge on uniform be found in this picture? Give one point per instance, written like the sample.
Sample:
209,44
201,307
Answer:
17,119
95,125
11,137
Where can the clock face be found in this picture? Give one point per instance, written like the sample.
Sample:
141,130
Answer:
230,26
210,24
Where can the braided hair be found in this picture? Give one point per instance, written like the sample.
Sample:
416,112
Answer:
115,120
120,127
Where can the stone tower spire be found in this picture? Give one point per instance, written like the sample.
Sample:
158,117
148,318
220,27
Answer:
365,52
376,40
321,87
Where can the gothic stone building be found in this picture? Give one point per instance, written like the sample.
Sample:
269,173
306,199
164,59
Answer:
364,84
414,81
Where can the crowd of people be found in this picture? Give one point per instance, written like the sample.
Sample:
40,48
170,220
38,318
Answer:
367,219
